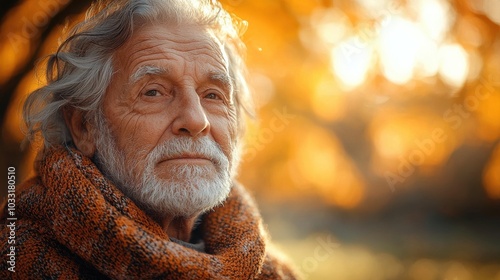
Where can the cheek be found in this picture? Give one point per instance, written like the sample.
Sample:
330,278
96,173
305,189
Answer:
234,124
137,135
224,133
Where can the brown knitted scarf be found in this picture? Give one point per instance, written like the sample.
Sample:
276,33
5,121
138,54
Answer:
75,224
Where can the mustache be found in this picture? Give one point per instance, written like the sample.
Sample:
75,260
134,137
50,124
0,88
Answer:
179,146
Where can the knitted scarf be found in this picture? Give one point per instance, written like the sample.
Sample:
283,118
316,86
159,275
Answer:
75,224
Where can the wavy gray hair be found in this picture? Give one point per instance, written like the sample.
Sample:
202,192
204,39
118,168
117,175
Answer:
80,71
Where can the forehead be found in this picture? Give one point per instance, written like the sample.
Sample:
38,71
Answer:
172,47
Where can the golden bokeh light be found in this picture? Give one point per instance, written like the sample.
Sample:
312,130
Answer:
16,47
351,61
404,48
399,43
331,25
434,16
491,176
328,103
409,140
321,162
14,124
489,115
9,63
454,65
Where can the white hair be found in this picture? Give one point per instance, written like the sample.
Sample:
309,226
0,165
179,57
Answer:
79,73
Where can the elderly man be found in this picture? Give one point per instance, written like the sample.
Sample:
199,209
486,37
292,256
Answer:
141,121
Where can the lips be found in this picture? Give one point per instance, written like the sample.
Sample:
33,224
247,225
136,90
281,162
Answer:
187,156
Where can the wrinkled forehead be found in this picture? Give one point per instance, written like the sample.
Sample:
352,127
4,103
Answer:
168,43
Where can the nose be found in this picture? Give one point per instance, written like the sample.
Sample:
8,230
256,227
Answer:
191,119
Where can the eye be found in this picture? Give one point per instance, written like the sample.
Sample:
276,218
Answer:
212,96
152,92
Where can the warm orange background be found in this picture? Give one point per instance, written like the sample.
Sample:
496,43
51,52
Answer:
378,128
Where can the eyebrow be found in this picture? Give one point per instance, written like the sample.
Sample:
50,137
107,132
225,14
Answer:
221,78
146,70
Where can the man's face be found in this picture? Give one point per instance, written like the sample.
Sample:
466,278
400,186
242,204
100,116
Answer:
171,115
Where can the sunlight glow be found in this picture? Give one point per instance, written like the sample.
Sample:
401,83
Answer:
427,59
407,45
373,6
454,65
326,28
330,24
399,44
351,61
434,16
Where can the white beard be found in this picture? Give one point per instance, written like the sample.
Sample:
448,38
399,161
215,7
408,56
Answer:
189,191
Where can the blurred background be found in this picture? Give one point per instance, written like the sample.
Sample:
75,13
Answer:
375,153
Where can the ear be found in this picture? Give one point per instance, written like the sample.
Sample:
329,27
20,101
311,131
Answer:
81,131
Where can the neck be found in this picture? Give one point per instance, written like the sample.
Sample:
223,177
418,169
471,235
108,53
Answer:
178,227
